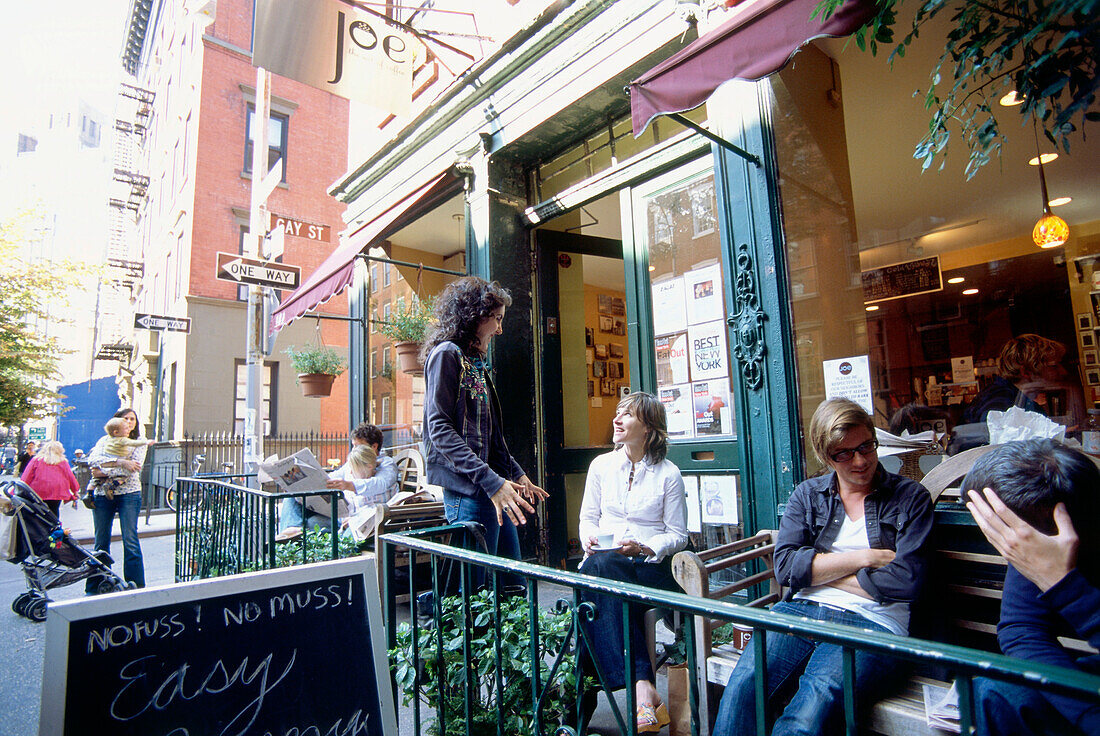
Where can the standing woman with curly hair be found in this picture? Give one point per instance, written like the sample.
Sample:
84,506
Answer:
463,430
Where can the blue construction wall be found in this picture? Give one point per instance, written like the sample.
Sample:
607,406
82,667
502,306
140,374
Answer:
93,402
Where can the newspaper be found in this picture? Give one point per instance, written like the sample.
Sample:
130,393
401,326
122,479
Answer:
364,521
892,444
941,707
301,472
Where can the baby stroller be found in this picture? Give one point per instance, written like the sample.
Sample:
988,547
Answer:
50,559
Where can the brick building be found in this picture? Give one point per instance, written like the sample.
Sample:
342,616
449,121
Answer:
185,157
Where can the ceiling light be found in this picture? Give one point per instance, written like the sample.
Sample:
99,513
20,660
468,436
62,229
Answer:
871,307
1011,100
1045,158
970,292
956,280
1059,201
1051,230
652,269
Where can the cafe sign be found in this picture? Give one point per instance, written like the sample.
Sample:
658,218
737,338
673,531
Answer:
902,279
335,47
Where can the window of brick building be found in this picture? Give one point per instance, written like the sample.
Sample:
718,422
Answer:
278,125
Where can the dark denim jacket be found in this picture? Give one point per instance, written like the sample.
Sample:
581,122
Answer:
463,436
898,516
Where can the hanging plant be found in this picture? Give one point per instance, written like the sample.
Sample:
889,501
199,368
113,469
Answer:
317,367
407,326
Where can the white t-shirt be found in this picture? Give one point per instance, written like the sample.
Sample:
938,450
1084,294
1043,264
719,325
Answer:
894,616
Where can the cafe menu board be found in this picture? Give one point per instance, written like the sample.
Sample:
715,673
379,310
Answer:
297,650
902,279
692,352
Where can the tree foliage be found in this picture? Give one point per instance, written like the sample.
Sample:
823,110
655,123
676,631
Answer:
1048,52
28,293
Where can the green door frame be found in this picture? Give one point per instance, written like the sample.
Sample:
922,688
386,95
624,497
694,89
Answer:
560,460
759,318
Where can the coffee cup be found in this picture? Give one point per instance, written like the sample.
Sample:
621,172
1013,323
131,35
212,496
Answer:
605,540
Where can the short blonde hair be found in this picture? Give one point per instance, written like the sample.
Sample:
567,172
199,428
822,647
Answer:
832,420
52,452
1025,356
362,460
116,427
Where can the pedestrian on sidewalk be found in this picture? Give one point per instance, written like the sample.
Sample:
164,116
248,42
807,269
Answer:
125,501
49,474
25,457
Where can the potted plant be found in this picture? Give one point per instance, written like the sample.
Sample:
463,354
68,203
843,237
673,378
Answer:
317,367
406,327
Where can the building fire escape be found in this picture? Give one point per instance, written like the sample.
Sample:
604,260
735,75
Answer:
129,190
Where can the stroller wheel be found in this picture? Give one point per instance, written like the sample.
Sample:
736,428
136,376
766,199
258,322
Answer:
110,585
36,609
21,601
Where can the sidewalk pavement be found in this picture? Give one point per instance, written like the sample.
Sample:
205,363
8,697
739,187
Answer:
81,526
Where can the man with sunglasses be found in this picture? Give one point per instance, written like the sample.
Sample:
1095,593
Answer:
850,550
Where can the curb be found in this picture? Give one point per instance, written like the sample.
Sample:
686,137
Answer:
90,541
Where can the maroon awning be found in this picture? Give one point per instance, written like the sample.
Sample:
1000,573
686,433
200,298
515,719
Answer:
335,273
751,45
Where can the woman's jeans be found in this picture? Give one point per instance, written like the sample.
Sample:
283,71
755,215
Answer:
500,539
811,670
605,632
128,508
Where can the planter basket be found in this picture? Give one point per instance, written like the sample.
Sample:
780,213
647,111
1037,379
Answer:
408,358
316,385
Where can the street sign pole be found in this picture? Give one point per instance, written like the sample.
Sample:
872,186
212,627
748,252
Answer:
257,227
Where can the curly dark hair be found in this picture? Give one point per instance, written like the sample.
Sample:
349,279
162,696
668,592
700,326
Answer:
461,307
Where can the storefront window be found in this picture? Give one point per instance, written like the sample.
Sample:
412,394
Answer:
918,295
688,317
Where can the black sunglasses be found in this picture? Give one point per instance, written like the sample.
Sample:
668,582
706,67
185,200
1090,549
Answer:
844,456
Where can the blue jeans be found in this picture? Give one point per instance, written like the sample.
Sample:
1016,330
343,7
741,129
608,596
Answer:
606,630
1006,708
128,508
292,512
500,539
812,670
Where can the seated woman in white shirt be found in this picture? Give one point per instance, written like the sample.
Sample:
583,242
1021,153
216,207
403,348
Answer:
635,496
352,478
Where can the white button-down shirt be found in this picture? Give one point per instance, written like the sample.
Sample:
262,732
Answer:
652,509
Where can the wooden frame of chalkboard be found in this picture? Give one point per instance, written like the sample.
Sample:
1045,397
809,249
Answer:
294,650
899,280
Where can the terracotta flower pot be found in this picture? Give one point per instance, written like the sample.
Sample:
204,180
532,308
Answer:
408,358
316,385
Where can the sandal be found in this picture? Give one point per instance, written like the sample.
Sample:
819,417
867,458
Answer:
291,532
652,718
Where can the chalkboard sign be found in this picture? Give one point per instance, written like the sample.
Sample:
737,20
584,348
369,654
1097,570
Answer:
293,651
902,279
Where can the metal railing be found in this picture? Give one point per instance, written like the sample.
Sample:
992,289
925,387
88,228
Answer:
224,527
427,675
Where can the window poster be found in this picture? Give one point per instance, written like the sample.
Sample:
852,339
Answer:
668,306
849,378
691,491
711,403
709,356
672,359
703,292
678,413
718,498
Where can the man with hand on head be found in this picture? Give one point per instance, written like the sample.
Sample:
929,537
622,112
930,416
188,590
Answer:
1029,498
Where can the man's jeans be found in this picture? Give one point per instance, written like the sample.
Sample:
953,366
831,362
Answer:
128,508
811,670
1007,708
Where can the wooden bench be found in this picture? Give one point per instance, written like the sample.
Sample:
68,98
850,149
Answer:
969,570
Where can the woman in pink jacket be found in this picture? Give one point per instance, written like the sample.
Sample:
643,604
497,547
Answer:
51,477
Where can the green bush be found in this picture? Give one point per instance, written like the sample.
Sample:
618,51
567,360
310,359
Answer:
514,702
316,359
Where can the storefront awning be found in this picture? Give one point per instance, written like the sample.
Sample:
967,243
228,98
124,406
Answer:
334,275
751,45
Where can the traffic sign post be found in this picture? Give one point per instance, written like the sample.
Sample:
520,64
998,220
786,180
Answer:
241,270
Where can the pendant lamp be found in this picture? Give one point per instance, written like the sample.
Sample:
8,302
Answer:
1051,230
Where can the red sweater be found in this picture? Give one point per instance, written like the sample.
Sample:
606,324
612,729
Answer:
51,482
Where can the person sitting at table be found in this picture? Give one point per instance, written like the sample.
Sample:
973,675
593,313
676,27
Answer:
850,550
634,500
1029,499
